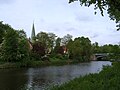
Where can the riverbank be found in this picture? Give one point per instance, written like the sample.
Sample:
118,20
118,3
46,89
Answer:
107,79
31,63
45,77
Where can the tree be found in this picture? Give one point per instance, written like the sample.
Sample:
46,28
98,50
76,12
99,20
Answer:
96,48
38,50
3,29
76,49
15,46
70,47
51,41
57,45
10,46
66,39
22,34
58,41
43,38
23,46
112,7
47,40
86,47
80,49
2,32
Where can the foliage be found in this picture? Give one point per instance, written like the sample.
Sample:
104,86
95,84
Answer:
52,38
112,7
38,50
66,39
1,33
57,46
3,29
10,46
107,79
80,49
112,50
14,46
23,47
47,40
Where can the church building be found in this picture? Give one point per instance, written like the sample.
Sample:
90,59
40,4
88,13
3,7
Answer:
33,34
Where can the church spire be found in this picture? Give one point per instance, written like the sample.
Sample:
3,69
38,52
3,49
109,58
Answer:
33,34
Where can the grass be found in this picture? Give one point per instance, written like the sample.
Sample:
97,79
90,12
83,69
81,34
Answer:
7,65
107,79
36,63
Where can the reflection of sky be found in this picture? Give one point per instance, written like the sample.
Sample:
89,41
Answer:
46,76
59,17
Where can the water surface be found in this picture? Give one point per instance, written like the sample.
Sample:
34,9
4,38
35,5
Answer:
41,78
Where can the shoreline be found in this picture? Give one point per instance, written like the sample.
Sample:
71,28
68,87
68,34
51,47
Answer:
109,75
33,64
7,65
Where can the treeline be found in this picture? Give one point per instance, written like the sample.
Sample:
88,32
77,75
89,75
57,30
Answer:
63,48
16,47
112,50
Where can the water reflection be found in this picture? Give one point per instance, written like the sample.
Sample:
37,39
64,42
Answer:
12,79
40,78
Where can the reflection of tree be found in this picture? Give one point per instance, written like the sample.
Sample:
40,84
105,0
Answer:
38,78
12,79
45,77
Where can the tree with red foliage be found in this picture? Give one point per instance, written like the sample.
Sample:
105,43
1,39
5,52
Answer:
38,49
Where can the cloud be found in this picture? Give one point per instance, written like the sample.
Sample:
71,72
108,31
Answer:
58,17
94,36
84,18
71,29
6,1
115,34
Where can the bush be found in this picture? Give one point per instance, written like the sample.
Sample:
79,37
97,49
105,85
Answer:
107,79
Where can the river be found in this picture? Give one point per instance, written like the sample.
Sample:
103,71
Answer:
44,77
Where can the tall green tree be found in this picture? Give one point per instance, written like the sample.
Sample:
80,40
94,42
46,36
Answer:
76,50
23,46
43,38
66,39
80,49
3,29
87,48
57,45
52,38
15,46
2,32
70,47
10,46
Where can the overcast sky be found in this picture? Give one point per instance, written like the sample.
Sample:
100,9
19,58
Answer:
59,17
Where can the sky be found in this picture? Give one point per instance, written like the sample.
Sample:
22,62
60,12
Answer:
59,17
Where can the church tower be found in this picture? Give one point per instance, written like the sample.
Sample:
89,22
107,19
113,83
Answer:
33,34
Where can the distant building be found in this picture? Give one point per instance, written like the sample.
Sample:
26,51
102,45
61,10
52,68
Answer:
30,44
32,39
33,34
62,50
65,50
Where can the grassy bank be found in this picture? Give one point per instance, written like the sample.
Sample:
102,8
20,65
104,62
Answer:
35,63
107,79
